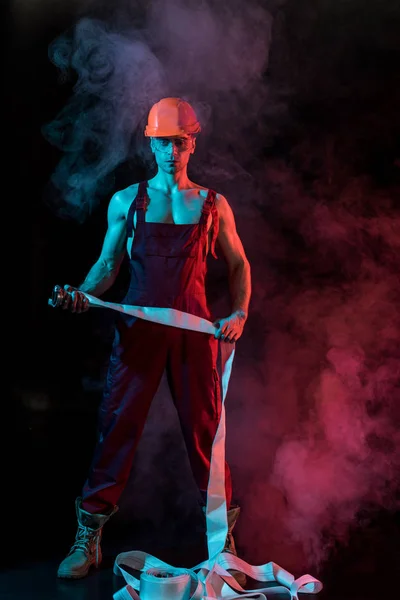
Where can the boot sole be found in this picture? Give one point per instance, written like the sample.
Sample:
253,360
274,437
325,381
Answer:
69,575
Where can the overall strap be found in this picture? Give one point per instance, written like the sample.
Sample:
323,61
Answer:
209,206
138,205
141,200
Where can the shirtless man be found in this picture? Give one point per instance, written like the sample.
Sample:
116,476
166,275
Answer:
167,225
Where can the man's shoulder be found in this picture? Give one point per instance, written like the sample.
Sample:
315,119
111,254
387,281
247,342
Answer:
219,198
122,199
128,193
125,196
221,202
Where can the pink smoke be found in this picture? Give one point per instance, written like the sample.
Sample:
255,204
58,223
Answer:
314,433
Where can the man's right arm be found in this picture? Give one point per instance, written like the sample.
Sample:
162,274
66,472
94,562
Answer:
105,270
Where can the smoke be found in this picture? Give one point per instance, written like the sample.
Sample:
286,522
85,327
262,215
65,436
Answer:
312,410
344,454
214,55
117,77
317,411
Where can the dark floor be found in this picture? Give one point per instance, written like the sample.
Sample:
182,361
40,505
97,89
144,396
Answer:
370,575
37,581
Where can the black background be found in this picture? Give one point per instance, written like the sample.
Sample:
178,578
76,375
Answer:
51,355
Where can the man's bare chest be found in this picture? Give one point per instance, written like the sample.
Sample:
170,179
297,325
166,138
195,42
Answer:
180,208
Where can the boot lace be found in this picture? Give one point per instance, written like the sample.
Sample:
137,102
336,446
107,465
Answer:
85,538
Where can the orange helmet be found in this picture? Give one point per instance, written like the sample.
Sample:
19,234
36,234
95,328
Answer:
171,117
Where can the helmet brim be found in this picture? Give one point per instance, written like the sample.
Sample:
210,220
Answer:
178,132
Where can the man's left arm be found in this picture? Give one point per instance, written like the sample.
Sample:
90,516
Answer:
230,328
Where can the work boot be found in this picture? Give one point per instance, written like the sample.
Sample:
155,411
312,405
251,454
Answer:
233,515
86,550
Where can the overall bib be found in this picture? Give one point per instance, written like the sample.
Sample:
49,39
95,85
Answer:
168,269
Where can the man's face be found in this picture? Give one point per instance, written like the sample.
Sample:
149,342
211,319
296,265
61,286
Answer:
172,153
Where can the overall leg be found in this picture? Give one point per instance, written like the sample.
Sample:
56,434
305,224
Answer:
195,387
136,366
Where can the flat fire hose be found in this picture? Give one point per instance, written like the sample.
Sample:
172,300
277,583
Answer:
209,580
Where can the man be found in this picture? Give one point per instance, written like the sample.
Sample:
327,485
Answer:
167,226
